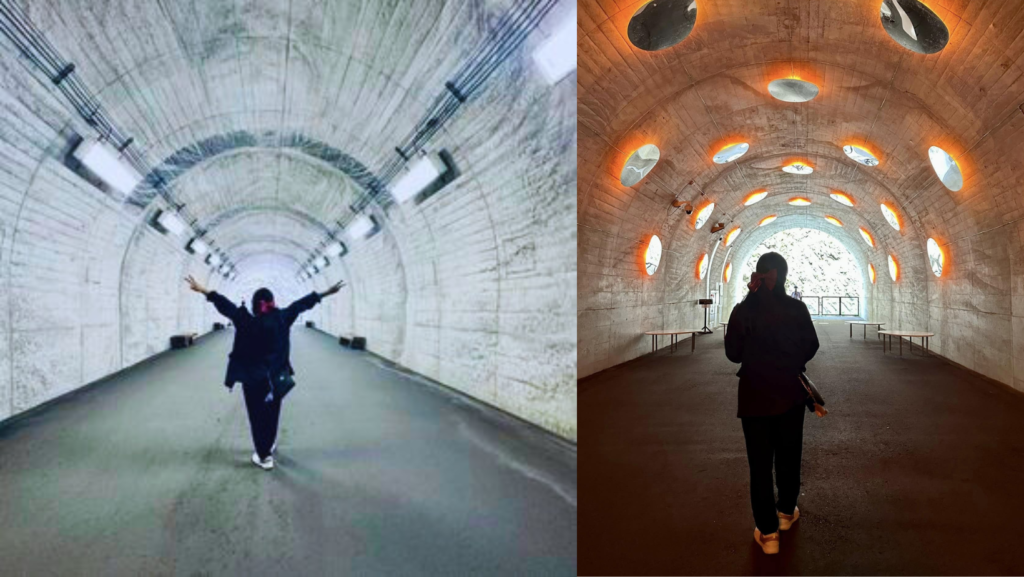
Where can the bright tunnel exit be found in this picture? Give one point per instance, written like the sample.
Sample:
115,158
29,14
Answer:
821,269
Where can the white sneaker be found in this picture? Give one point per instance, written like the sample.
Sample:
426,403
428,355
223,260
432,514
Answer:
266,464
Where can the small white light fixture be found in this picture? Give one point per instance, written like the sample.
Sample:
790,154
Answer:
213,259
556,56
170,222
224,269
310,271
322,262
421,174
336,249
361,227
197,246
103,160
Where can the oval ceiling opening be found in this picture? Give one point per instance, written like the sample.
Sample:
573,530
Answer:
860,155
639,164
653,255
661,24
731,153
946,168
935,258
792,90
704,215
914,26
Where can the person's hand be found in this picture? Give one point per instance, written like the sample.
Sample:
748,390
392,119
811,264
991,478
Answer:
819,410
334,288
194,285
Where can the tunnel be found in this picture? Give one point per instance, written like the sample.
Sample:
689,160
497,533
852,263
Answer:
418,152
891,126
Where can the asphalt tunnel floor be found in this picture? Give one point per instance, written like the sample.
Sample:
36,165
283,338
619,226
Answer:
917,470
378,473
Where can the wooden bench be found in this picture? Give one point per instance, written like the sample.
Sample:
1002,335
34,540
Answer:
674,335
923,335
183,340
866,325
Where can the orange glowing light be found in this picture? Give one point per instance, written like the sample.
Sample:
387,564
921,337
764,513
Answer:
755,197
894,269
728,273
798,201
871,272
841,198
798,167
834,220
867,237
732,235
767,220
702,266
890,216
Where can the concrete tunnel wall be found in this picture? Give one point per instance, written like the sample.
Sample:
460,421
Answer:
711,89
249,106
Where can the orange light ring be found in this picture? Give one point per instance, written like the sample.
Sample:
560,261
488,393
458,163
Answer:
757,193
702,264
871,272
799,201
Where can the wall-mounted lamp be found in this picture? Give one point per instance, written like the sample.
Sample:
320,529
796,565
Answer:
362,227
197,246
424,177
168,222
103,160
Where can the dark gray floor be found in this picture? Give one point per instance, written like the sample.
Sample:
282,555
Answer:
378,474
918,470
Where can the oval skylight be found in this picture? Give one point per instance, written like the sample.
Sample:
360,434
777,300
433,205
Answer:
871,272
731,152
894,269
834,220
799,201
792,90
842,198
867,237
858,154
732,235
797,168
639,164
704,215
914,26
946,168
663,23
653,255
935,257
890,216
727,273
757,196
767,220
702,266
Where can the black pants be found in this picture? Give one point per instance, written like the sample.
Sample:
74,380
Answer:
778,438
263,416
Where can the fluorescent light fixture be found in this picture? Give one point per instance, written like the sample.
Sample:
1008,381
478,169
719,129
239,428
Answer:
322,262
310,271
556,56
224,268
103,160
166,221
336,249
421,174
361,227
213,259
197,246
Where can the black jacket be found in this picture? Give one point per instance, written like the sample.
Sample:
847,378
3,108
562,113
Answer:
773,337
262,343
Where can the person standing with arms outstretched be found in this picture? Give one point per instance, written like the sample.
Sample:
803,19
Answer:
261,349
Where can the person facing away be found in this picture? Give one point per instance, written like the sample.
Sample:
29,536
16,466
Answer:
261,349
796,293
772,337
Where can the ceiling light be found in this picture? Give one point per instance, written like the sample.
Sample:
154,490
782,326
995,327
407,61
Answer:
310,271
361,227
337,249
322,262
639,164
792,90
702,266
224,268
860,155
197,246
556,56
727,273
421,174
890,216
871,272
799,201
704,215
767,220
894,269
167,221
834,220
935,257
842,198
652,257
797,168
106,162
213,259
755,197
731,152
732,235
867,237
946,168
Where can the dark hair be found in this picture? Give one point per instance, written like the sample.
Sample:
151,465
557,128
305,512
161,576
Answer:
769,261
261,296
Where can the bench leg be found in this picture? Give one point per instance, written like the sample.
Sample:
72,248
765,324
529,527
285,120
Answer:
652,344
901,345
693,342
851,331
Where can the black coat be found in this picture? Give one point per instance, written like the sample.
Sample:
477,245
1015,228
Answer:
262,343
773,337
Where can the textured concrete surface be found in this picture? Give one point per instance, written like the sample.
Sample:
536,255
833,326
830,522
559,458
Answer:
915,471
378,474
711,89
262,115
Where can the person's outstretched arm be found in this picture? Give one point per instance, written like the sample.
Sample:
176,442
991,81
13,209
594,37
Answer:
307,302
223,305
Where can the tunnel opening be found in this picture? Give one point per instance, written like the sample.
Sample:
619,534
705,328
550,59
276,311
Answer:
826,275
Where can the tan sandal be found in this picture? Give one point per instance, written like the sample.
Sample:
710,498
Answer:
786,521
769,543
